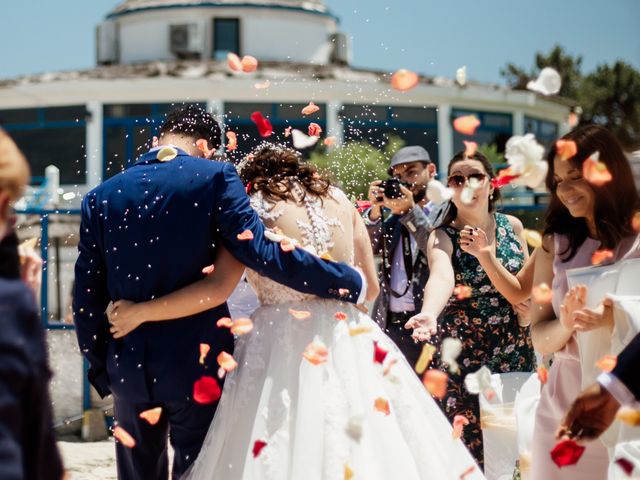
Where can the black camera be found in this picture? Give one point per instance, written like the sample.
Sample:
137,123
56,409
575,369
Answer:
391,189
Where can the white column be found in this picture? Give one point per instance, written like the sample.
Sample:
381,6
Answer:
94,144
334,125
445,138
216,107
518,122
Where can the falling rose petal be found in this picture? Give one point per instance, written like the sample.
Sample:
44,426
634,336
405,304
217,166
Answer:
543,374
316,353
166,154
203,146
123,437
359,330
299,314
435,381
232,141
449,352
461,76
340,316
479,382
489,393
225,322
626,466
573,120
314,129
249,64
246,235
566,149
437,192
264,126
206,390
468,471
204,351
287,131
329,141
286,245
548,82
262,85
459,421
470,148
566,452
600,256
348,473
241,326
379,353
462,292
635,222
354,427
387,368
629,416
596,172
258,445
234,62
607,363
209,269
426,355
542,294
326,256
226,361
221,373
382,405
152,416
343,292
533,238
505,177
466,124
310,109
302,141
404,80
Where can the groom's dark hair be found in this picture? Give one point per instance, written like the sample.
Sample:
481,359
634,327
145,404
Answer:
194,122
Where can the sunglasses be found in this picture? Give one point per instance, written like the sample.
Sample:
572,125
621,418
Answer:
460,180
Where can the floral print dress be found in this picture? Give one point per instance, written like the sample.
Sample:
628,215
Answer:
487,326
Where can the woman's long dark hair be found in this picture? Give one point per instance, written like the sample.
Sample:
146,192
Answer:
272,166
452,210
615,201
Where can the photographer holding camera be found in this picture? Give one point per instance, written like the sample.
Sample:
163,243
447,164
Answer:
399,222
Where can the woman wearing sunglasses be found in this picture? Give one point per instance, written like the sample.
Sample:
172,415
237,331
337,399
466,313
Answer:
460,300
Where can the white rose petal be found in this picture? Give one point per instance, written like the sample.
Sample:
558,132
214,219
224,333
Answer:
354,427
302,141
461,76
523,151
533,176
451,349
547,83
438,193
479,381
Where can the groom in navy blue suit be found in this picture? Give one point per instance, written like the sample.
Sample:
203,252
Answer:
147,232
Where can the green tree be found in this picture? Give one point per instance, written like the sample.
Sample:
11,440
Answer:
356,164
492,153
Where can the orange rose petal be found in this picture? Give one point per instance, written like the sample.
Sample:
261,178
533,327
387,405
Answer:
466,124
209,269
387,367
329,141
340,316
426,355
629,416
232,141
287,132
382,405
246,235
310,109
600,256
326,256
314,130
226,361
316,353
404,80
533,238
543,374
343,292
258,445
607,363
348,473
287,245
359,330
462,291
206,390
241,326
234,62
262,85
596,172
459,421
470,148
468,471
489,394
299,314
435,381
635,222
225,322
572,120
123,437
204,351
152,416
249,64
203,146
566,149
542,294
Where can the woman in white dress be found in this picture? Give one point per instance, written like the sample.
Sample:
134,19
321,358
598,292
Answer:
351,411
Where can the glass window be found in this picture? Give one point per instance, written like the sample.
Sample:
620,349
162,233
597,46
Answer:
226,37
127,110
545,131
364,114
115,150
495,129
242,111
412,114
292,111
65,114
19,116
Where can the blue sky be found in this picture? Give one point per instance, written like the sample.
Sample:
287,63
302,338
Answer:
428,36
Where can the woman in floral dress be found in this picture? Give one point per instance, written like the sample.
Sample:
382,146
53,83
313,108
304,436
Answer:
460,300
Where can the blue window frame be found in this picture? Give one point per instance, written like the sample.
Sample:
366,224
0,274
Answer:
226,37
495,129
51,136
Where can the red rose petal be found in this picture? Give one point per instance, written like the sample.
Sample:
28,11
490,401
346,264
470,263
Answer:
340,316
206,390
566,452
379,353
314,130
264,125
257,447
626,466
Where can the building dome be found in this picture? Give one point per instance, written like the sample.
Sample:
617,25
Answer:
130,6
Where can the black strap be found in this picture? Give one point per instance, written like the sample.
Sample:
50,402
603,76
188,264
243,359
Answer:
408,261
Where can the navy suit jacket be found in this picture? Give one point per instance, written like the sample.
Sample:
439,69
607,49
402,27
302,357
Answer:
149,231
28,448
627,368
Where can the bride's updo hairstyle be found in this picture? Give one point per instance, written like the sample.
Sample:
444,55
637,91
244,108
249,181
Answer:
271,169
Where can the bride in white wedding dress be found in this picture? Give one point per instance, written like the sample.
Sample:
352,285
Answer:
314,395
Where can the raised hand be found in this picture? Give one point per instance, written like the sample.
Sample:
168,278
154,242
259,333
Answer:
124,318
587,319
474,241
401,205
424,325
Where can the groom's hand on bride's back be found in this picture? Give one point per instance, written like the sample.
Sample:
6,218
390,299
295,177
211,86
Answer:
123,317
